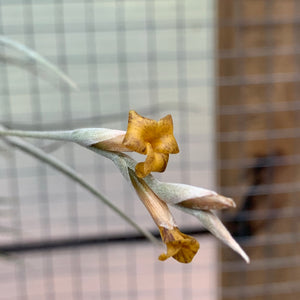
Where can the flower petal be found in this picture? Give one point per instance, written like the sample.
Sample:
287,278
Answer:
139,132
155,162
180,246
165,141
155,139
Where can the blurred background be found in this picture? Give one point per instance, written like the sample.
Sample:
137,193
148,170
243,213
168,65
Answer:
227,71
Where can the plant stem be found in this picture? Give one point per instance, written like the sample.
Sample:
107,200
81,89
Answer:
51,135
58,165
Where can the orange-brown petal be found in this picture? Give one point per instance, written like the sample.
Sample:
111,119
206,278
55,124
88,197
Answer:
165,141
155,162
141,131
138,131
180,246
155,139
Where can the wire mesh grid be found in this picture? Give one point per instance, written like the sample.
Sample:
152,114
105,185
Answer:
155,57
259,144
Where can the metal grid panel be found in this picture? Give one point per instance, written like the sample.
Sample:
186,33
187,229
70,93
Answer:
151,56
259,144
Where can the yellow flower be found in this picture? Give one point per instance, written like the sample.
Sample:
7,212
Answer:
180,246
152,138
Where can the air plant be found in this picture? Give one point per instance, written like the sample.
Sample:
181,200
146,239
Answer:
154,139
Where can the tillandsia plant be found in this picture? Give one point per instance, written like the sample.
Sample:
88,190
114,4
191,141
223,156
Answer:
154,139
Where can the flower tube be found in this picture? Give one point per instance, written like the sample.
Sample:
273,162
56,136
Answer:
180,246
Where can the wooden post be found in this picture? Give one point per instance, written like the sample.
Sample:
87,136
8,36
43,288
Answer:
258,115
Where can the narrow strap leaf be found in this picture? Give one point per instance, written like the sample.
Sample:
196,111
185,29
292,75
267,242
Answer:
69,172
37,57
